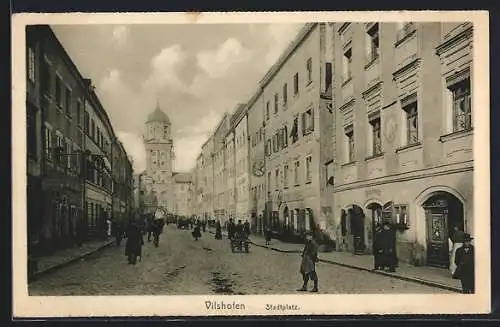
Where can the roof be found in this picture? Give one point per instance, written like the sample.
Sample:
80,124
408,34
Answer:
182,177
158,116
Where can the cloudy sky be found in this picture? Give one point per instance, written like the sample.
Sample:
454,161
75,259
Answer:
196,72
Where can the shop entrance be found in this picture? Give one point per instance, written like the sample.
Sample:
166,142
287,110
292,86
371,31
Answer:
357,228
443,211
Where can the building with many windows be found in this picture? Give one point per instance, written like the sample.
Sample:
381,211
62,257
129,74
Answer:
296,95
219,166
69,148
403,135
230,205
242,195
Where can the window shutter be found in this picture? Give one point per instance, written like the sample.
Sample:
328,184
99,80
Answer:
312,119
285,137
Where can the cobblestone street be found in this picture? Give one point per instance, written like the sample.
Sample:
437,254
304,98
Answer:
182,266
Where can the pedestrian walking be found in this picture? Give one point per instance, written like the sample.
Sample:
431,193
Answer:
109,224
133,246
246,228
149,226
377,249
157,230
118,231
456,241
196,231
387,247
268,235
464,259
230,229
204,225
218,231
308,264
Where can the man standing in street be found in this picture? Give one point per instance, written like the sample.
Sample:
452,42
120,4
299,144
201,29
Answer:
308,264
387,247
246,228
464,259
230,228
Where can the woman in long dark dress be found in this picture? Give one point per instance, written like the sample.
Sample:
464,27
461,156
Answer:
133,246
218,231
196,232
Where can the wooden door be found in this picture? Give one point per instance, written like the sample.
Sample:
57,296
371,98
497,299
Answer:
437,237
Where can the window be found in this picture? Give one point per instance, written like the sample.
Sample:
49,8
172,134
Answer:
92,129
285,176
296,172
267,110
307,122
372,43
268,147
308,169
309,70
59,95
67,98
401,214
276,100
86,123
404,29
269,180
376,137
462,109
296,83
349,133
295,130
78,113
275,143
69,154
45,78
31,64
411,112
346,65
59,147
285,94
165,131
277,176
31,133
284,133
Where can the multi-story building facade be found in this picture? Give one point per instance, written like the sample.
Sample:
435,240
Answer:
295,95
69,146
219,162
122,183
98,182
241,163
256,157
404,135
182,204
207,189
230,205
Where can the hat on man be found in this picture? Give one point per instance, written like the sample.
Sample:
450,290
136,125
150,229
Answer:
467,237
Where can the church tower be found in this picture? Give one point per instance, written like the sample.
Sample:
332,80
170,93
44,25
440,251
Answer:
157,178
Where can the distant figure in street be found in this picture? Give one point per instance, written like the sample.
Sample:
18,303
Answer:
238,230
218,231
133,247
230,229
108,227
308,264
149,226
456,241
387,247
246,228
118,231
376,247
196,232
204,225
157,230
267,234
464,259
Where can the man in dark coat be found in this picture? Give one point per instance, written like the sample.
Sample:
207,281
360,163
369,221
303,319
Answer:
157,230
218,231
246,228
238,229
387,247
230,228
308,264
133,246
464,259
376,247
196,232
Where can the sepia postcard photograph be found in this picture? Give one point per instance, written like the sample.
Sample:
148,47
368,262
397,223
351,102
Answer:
218,164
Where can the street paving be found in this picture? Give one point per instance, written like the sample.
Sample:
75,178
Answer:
182,266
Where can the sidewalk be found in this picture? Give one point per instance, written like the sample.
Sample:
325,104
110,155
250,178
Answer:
430,276
61,258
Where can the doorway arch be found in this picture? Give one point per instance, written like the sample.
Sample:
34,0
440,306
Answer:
443,211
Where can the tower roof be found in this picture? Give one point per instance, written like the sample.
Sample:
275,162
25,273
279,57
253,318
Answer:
158,116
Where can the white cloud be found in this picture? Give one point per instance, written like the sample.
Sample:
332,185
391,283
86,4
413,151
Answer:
135,148
164,68
217,62
120,34
112,81
281,36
